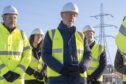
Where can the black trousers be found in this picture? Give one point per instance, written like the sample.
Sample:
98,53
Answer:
33,82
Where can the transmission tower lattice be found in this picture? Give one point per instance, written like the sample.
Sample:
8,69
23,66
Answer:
102,36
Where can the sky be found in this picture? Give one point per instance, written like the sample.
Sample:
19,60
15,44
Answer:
45,14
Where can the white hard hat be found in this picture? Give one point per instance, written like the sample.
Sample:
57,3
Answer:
88,28
10,10
70,7
37,31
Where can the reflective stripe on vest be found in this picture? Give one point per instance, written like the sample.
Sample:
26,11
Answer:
25,48
16,53
121,41
2,66
22,67
96,52
1,78
57,49
10,53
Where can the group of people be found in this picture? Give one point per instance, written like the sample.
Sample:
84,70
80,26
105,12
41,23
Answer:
61,56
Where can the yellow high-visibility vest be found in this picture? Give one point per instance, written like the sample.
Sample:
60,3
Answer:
96,52
57,49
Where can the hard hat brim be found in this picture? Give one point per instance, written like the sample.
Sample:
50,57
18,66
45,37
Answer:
70,12
89,30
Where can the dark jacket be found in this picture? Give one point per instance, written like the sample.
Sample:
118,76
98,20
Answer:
102,64
119,66
68,35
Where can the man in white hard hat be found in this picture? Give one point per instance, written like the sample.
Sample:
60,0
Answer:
15,51
65,51
98,64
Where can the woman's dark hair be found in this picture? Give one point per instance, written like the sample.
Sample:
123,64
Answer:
31,40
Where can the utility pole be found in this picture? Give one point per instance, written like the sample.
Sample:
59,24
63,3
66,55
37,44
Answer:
102,36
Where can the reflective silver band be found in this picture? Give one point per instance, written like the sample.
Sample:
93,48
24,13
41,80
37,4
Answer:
96,60
91,68
80,51
1,78
57,50
10,53
25,48
2,66
22,67
122,53
124,59
122,30
34,60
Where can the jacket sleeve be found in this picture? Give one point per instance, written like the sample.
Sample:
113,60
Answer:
87,56
102,64
25,59
47,55
119,66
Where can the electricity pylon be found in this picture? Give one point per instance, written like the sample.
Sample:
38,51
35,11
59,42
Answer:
102,36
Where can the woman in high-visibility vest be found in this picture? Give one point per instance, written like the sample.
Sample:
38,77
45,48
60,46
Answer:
35,73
